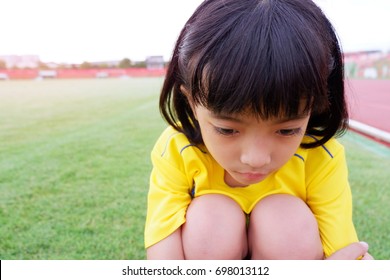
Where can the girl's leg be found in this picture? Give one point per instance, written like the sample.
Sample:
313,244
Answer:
283,227
215,228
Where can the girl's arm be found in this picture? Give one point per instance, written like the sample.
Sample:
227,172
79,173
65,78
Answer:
352,252
329,196
168,197
170,248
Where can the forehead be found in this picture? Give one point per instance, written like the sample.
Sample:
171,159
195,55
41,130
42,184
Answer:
249,116
276,112
264,96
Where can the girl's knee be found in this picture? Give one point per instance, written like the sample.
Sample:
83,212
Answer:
283,227
215,228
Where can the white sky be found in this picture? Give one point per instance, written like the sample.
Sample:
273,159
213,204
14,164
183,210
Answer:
94,30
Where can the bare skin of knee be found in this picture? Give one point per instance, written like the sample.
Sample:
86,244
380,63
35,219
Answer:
283,227
215,228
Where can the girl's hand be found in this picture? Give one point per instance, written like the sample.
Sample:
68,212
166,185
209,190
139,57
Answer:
354,251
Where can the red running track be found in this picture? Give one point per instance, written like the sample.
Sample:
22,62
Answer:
369,102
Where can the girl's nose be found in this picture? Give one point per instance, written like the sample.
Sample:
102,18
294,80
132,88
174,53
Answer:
256,156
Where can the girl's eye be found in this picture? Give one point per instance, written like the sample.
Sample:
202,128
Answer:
290,132
225,131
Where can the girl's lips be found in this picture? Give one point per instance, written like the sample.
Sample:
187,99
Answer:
253,177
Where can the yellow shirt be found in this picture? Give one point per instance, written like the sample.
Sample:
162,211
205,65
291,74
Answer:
318,176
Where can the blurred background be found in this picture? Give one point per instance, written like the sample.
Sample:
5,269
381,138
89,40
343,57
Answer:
51,35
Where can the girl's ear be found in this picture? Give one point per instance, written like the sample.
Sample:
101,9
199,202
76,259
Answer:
189,98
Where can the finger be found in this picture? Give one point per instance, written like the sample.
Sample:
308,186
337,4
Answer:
351,252
367,257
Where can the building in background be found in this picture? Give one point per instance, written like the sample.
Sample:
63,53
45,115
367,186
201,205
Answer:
20,61
155,62
367,64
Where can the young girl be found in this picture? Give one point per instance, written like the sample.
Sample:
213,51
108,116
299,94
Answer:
249,167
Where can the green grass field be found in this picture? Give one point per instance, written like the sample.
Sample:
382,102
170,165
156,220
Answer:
74,170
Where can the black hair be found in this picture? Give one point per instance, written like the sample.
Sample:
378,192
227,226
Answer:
267,56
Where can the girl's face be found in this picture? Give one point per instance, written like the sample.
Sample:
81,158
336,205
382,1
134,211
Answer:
248,148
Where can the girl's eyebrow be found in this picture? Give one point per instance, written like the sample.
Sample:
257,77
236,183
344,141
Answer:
289,119
226,117
232,118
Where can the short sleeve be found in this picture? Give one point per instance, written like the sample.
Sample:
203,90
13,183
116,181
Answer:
168,197
329,197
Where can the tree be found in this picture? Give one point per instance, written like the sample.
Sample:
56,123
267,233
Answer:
86,65
140,64
3,65
125,63
43,66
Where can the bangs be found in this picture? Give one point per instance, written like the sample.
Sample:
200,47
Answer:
269,58
268,63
